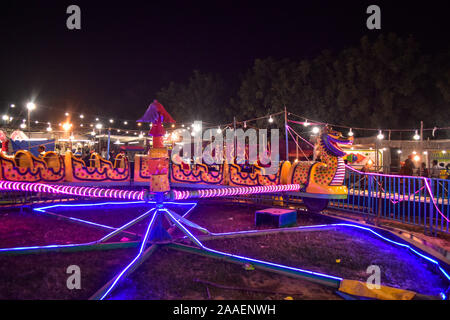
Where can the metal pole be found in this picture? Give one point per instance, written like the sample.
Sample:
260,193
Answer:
234,139
286,133
29,132
109,142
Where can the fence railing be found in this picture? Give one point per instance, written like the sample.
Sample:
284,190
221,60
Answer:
412,200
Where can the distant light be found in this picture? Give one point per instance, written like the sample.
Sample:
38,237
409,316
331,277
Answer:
173,126
416,136
425,152
197,127
31,106
23,125
384,149
81,125
5,117
13,106
219,130
350,133
315,130
98,126
399,151
444,152
66,126
72,138
380,135
306,123
125,122
36,122
296,160
67,114
111,120
49,129
97,119
93,133
192,133
139,124
414,152
141,135
126,132
182,125
118,130
91,125
416,158
270,119
81,116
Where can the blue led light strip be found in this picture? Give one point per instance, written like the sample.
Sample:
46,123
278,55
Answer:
141,250
345,225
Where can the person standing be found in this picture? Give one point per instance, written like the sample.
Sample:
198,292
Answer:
435,170
41,150
423,170
409,166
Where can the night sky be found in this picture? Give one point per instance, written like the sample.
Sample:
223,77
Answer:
127,50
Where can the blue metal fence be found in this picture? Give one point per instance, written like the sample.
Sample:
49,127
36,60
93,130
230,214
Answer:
413,200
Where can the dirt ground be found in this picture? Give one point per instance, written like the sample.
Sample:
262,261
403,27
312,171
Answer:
169,274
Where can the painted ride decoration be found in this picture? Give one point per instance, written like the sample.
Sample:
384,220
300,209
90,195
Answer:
99,170
24,166
325,176
158,156
51,168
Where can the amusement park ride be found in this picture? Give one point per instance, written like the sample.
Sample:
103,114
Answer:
316,182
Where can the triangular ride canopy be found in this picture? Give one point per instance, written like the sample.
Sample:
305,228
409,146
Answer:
153,112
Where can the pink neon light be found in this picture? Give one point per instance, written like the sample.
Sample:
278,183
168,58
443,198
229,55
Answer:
425,180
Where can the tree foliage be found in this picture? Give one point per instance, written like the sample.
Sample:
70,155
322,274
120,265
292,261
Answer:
204,97
387,83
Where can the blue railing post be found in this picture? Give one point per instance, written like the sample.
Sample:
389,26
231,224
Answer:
431,206
369,187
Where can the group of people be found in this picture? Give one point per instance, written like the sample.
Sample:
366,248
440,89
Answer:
408,168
